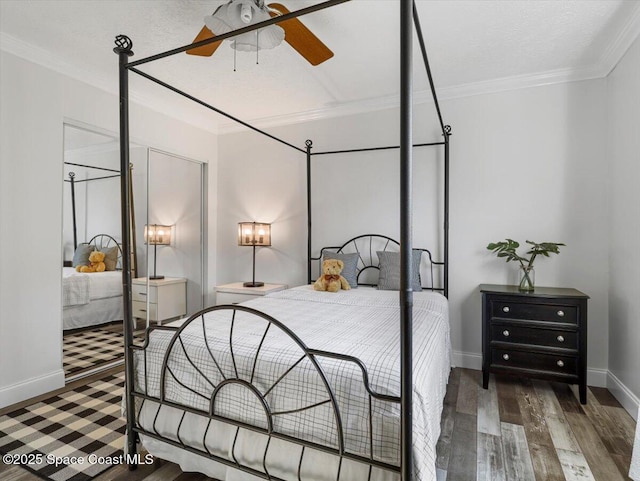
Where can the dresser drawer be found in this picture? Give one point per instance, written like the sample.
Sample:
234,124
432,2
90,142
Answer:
534,335
140,310
534,361
139,293
538,311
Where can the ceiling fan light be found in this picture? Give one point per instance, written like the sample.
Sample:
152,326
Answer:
267,38
234,15
245,13
220,22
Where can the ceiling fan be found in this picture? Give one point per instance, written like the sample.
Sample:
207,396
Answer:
240,13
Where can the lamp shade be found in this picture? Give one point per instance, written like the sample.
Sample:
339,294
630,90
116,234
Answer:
156,234
254,234
240,13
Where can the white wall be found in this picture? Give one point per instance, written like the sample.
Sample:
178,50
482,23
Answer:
35,102
530,164
623,95
526,164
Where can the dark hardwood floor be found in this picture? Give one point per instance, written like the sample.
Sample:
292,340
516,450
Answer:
516,430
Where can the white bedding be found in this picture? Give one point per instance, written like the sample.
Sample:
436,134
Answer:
90,299
101,284
363,323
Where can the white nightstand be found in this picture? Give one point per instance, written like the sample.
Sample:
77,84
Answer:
235,292
167,298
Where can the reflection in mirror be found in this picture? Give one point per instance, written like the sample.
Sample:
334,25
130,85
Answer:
92,298
175,205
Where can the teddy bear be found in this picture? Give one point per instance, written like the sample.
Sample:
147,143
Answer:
331,280
97,263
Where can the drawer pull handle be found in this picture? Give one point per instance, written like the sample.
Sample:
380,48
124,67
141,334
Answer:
560,338
505,333
505,357
561,313
505,309
142,293
560,363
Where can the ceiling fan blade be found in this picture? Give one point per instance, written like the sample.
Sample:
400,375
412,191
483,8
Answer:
301,38
205,50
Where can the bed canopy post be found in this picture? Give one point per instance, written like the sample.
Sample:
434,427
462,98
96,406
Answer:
123,49
72,177
309,145
406,253
447,134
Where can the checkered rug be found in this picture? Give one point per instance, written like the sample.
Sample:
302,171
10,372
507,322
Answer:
90,348
80,429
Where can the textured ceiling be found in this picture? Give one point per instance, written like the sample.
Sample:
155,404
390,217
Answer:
470,43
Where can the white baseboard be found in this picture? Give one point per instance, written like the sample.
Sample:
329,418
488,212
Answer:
623,394
23,390
471,360
468,360
595,377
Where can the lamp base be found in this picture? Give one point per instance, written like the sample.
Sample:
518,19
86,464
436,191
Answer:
253,284
156,278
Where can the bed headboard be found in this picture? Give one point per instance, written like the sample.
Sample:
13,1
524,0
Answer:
367,246
104,241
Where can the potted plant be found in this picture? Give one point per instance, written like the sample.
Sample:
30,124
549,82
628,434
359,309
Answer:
507,249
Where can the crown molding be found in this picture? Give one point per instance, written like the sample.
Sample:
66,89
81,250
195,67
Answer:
423,97
619,46
46,59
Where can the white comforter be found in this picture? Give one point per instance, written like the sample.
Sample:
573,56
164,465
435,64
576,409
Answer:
81,288
363,323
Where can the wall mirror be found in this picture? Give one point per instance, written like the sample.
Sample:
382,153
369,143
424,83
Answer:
167,193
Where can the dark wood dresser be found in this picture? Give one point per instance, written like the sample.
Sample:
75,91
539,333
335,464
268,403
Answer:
540,334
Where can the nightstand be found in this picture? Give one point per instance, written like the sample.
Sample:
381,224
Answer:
235,292
540,334
167,298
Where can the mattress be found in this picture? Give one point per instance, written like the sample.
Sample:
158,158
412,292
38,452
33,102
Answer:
90,299
362,322
99,311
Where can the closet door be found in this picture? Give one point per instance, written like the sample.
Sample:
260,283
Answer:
176,199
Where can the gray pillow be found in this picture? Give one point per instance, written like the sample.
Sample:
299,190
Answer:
110,257
81,255
350,270
389,277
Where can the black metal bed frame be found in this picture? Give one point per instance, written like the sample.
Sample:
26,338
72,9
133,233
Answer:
232,376
102,241
408,19
72,181
367,261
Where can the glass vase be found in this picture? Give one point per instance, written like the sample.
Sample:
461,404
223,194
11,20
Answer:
526,278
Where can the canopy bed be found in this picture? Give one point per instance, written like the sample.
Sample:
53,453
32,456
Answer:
270,390
91,299
109,174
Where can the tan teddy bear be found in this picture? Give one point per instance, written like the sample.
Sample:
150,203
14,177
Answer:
331,280
97,263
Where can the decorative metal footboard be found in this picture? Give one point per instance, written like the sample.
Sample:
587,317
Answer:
241,367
